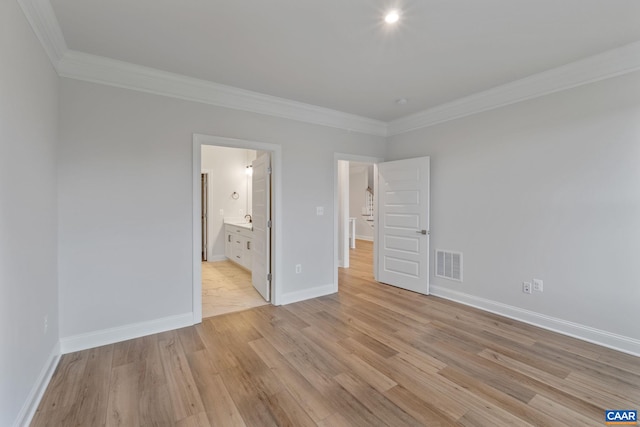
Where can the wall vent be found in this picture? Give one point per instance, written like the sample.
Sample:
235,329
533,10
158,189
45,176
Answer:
449,265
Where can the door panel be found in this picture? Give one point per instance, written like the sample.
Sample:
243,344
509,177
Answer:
403,212
399,198
402,266
406,221
261,199
407,244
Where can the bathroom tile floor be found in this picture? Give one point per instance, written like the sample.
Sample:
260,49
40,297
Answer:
227,288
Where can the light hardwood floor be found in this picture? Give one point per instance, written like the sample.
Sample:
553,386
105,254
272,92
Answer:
370,355
226,288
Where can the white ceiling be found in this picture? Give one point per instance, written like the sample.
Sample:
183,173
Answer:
338,54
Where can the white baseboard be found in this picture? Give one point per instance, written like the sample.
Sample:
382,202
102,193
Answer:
123,333
318,291
565,327
367,238
215,258
35,395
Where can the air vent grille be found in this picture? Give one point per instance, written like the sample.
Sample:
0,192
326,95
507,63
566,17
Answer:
449,265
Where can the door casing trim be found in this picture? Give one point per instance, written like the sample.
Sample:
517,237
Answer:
276,208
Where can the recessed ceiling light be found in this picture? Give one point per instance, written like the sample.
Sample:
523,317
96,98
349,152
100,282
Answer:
392,17
401,101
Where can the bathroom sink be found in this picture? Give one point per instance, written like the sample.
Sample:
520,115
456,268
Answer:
245,225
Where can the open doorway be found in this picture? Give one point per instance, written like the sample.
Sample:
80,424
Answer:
355,216
400,204
236,230
361,206
228,240
357,262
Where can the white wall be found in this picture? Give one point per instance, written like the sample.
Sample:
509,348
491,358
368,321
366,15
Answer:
126,154
228,175
358,183
548,188
28,218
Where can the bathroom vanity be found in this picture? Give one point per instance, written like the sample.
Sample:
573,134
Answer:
239,243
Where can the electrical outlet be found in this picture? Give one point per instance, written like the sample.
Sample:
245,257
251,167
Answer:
537,285
526,287
221,212
46,324
320,210
298,268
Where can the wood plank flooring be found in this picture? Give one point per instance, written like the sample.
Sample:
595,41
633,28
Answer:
227,288
370,355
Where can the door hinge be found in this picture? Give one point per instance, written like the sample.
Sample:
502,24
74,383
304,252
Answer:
269,277
269,224
269,170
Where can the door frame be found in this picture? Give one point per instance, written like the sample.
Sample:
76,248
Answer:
336,195
209,174
276,207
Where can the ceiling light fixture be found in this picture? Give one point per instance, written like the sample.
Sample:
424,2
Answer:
401,101
392,17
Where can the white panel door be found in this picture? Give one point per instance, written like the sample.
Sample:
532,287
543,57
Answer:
403,224
261,198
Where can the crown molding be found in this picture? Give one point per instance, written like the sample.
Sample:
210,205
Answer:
97,69
44,23
612,63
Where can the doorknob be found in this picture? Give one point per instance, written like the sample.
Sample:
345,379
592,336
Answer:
423,232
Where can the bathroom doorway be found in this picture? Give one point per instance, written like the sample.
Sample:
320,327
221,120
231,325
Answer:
228,274
228,232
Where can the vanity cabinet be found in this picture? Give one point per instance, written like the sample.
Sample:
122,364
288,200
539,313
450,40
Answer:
238,245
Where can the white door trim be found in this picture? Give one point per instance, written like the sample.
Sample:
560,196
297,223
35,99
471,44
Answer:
276,243
349,158
343,213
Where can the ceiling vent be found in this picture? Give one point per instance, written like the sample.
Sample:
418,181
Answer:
449,265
